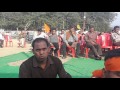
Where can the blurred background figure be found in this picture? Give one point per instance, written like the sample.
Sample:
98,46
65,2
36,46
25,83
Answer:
22,37
1,40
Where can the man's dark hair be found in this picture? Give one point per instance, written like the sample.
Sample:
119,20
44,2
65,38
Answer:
53,28
116,27
92,26
39,40
39,29
71,26
112,53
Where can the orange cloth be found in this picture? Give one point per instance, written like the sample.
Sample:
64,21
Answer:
47,28
97,73
67,35
113,64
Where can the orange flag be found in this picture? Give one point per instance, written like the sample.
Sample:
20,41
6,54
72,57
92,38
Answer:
47,28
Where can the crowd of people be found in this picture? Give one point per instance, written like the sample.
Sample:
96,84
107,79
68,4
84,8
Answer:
46,48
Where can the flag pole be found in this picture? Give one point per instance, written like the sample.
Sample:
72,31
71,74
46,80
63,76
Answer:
84,20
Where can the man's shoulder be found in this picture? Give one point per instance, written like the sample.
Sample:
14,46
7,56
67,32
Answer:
28,61
55,59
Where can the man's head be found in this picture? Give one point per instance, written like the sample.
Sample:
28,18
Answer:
92,28
22,31
53,31
41,48
116,29
72,28
62,31
39,30
112,64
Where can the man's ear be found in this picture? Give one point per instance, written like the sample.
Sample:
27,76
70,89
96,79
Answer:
33,51
49,48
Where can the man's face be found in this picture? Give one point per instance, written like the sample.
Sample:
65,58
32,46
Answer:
39,32
72,30
92,29
112,74
41,50
117,29
53,31
62,32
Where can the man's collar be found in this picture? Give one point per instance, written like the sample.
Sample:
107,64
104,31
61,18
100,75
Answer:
35,63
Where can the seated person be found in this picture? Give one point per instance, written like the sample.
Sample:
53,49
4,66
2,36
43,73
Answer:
71,39
53,39
116,36
90,39
41,64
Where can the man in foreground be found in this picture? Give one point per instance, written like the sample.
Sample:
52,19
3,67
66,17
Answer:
42,65
112,66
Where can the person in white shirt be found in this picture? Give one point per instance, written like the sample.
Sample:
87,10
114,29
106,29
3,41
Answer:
116,36
40,34
1,40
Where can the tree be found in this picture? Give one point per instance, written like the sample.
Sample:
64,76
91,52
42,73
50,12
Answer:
33,20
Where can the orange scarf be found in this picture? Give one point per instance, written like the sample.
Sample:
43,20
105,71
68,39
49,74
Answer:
113,64
97,73
68,34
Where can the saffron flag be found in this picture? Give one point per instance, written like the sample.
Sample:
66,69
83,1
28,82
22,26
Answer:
47,28
78,27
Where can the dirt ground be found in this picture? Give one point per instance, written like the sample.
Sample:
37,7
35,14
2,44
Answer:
13,50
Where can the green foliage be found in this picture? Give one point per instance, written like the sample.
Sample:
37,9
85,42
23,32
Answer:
60,20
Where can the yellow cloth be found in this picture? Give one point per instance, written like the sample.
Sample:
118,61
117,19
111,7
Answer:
47,28
78,27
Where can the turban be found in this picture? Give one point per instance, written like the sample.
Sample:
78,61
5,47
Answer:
112,64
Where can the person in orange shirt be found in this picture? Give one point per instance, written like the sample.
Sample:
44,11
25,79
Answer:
111,66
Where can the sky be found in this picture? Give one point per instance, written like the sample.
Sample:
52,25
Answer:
116,22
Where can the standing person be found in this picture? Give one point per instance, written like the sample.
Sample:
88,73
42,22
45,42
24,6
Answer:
42,65
22,37
90,39
1,40
71,40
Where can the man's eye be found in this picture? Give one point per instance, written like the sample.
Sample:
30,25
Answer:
44,49
37,50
